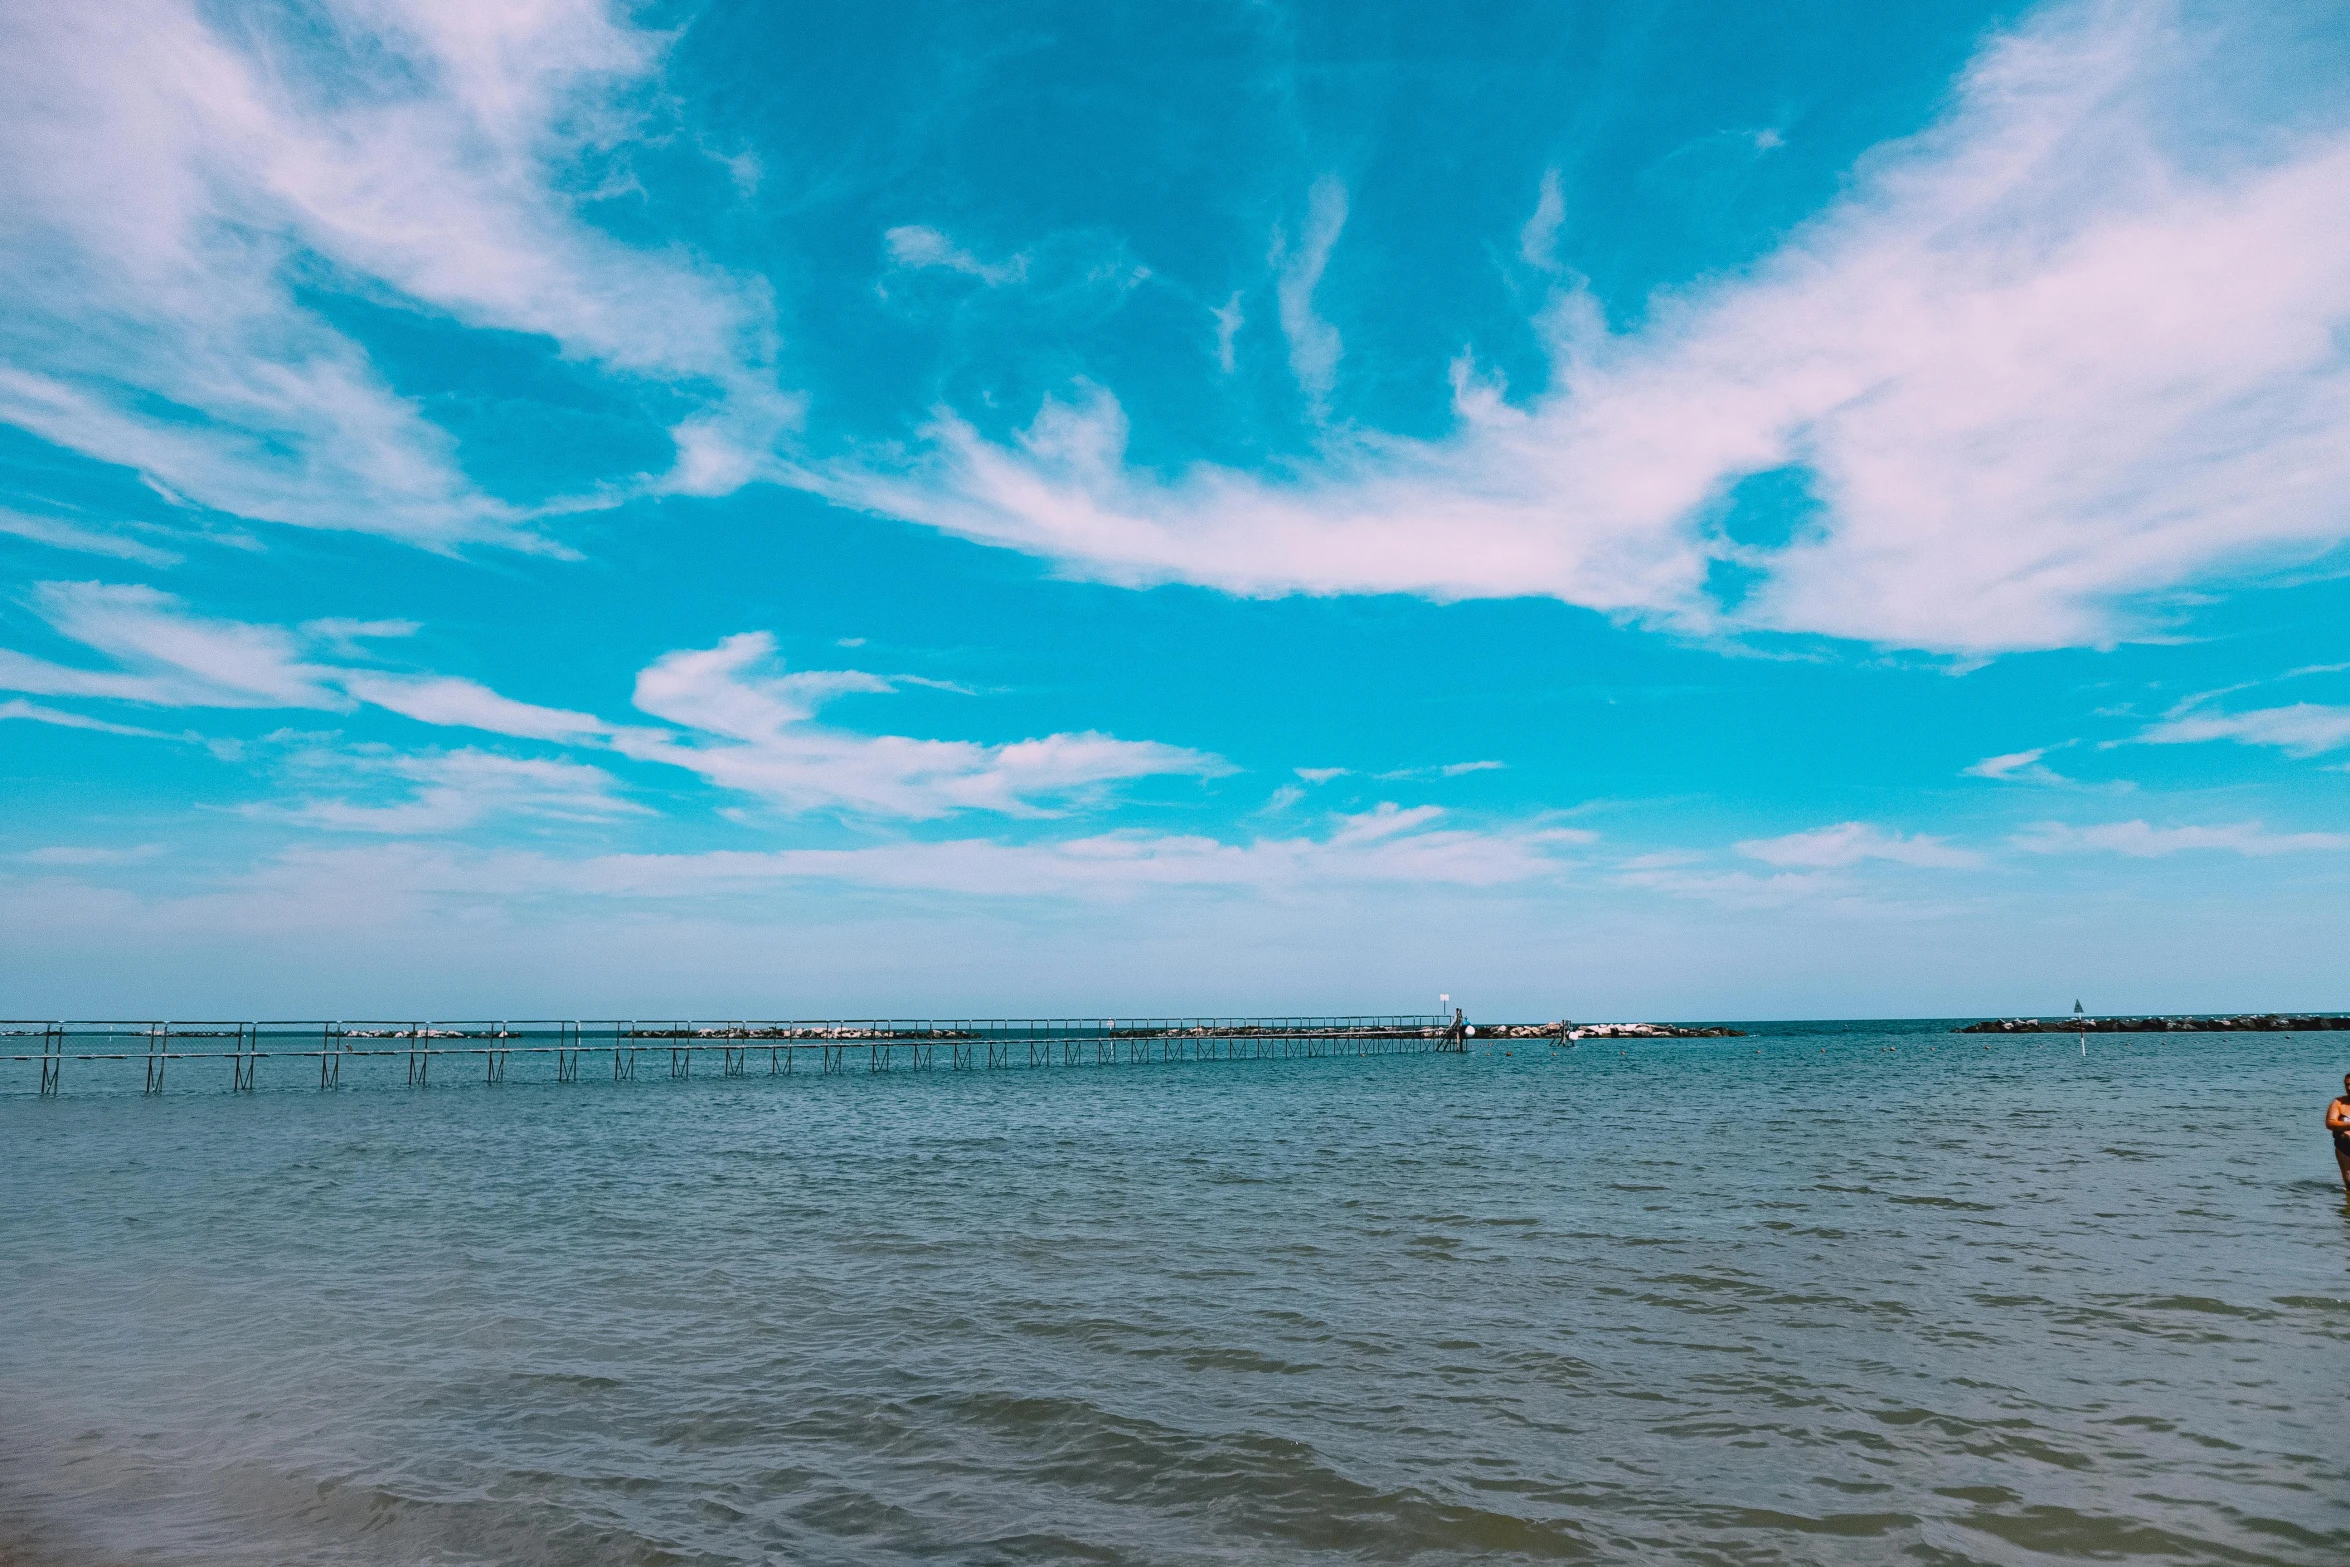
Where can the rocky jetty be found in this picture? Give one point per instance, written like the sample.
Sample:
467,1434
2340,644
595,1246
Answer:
1563,1029
2247,1023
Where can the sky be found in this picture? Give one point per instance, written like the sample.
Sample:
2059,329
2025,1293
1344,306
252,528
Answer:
1678,511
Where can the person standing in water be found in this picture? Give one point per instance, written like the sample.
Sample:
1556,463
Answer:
2338,1123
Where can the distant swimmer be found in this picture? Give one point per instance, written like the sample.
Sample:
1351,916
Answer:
2338,1123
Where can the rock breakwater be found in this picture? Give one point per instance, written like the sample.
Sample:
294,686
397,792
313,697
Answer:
2244,1023
1564,1029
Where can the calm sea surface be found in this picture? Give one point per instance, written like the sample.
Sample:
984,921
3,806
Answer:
1839,1293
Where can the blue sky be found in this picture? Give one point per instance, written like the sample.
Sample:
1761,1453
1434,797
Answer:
1684,511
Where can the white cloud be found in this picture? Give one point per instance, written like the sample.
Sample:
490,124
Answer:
2084,342
1814,870
344,636
2141,841
745,728
168,657
1229,321
915,245
1447,770
2303,729
60,534
1538,241
2018,766
467,704
1736,889
1662,860
1849,843
1134,862
166,178
446,791
1386,847
755,732
1321,775
1314,344
36,713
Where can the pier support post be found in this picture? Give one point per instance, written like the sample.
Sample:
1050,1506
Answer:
246,1058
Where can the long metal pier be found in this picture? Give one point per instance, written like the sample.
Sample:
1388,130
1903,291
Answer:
481,1051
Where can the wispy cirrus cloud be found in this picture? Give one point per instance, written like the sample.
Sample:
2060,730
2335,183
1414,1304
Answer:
2049,360
58,533
752,729
1442,770
2141,840
1229,320
1823,868
468,704
35,712
2019,766
175,177
1850,843
738,721
377,790
2300,729
1387,846
348,638
1739,889
1314,344
1538,241
919,245
166,657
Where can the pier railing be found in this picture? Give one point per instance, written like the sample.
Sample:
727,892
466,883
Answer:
734,1047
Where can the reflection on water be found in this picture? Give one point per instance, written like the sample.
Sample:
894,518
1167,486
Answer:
1840,1293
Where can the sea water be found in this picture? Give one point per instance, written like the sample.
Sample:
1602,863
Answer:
1834,1293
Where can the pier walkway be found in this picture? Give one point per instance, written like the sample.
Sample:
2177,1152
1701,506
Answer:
229,1054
